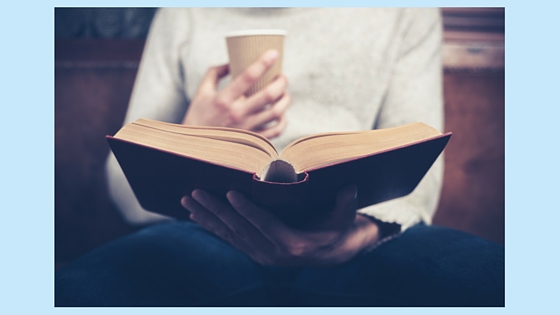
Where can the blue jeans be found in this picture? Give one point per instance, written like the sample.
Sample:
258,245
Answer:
180,264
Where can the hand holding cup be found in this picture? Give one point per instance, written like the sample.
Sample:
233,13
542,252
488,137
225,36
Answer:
255,100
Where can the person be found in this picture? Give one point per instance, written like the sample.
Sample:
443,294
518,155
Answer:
343,69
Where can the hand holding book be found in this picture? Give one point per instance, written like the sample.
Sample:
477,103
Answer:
268,241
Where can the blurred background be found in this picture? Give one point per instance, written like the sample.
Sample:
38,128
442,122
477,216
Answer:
97,52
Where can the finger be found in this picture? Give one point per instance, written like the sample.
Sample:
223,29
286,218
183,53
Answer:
206,219
248,77
347,195
213,224
240,227
275,112
272,93
272,228
275,130
345,207
212,77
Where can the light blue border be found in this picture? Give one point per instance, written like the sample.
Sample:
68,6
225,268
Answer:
27,194
27,85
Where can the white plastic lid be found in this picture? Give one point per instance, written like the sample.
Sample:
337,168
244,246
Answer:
256,32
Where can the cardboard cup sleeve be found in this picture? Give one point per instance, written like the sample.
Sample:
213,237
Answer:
245,47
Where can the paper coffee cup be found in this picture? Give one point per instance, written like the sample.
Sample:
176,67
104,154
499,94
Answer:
245,47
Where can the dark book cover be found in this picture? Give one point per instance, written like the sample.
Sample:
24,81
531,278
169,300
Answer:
160,179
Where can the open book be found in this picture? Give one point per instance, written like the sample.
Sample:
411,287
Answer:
164,161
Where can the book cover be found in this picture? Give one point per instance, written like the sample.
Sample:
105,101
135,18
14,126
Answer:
160,179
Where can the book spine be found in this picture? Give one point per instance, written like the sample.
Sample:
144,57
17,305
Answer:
286,200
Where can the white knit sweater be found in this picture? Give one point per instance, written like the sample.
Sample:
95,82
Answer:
348,69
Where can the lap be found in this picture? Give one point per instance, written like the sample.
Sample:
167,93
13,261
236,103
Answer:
426,265
179,263
176,263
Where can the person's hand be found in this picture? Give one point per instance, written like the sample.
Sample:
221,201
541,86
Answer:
230,108
268,241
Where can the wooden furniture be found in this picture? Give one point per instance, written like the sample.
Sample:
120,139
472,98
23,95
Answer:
472,197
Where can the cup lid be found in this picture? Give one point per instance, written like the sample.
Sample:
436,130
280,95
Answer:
257,32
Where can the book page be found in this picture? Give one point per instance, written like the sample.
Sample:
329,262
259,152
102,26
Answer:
221,146
219,133
329,148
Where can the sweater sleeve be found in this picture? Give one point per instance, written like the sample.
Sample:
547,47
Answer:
415,94
158,94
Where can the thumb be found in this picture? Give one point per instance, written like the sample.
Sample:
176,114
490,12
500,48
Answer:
212,77
344,211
